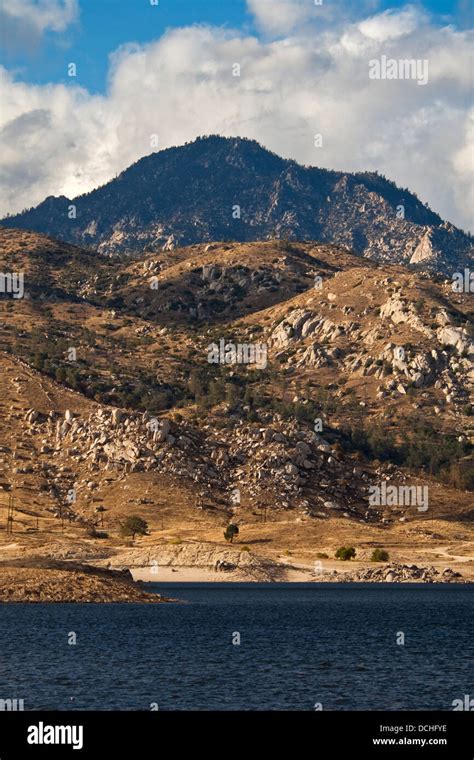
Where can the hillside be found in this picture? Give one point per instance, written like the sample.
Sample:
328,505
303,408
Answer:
365,371
220,188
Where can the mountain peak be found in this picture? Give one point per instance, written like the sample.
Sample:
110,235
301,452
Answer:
218,188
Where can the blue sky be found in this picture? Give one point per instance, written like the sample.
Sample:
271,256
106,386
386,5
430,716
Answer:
105,25
150,77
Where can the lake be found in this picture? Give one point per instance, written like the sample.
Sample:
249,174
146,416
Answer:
301,645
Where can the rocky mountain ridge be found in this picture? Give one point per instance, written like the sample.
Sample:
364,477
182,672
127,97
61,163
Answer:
218,188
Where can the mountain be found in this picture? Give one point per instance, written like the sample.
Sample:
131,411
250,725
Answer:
218,188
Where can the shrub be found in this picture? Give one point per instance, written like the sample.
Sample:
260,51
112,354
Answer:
92,532
345,553
379,555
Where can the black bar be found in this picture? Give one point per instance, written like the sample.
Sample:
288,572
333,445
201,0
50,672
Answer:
313,734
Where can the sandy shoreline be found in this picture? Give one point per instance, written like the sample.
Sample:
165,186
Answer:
204,575
292,575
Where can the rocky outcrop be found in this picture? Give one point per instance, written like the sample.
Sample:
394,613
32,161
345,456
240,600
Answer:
306,339
458,338
298,467
424,251
395,573
301,324
403,312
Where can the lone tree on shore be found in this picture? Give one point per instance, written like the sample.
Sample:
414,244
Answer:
231,531
134,525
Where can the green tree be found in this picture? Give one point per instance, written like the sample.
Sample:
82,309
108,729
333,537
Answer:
345,553
134,525
230,532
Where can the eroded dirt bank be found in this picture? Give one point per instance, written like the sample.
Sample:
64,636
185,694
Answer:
40,581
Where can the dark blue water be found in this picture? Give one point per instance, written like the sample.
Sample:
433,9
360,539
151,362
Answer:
300,644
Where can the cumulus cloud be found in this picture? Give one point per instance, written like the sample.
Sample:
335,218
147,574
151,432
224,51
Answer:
61,139
281,16
391,24
23,22
42,14
277,18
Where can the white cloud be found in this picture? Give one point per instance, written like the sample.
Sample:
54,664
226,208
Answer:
281,16
23,23
61,139
391,24
56,15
